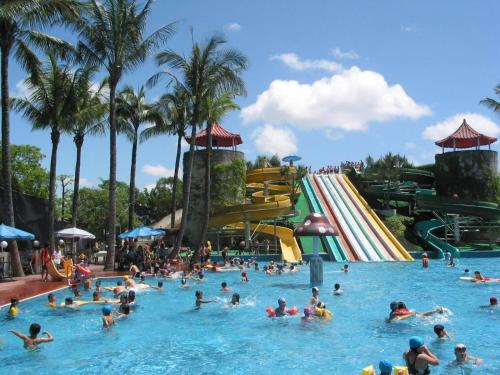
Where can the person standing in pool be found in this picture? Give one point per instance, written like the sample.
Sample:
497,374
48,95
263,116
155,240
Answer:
31,342
425,260
199,299
337,291
419,357
478,276
281,309
107,318
314,300
235,299
345,268
52,300
224,287
461,356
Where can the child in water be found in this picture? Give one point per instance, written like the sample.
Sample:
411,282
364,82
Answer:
244,277
493,303
345,268
199,299
441,332
425,260
13,308
52,300
224,287
31,342
98,286
107,318
159,287
307,314
184,283
337,291
235,299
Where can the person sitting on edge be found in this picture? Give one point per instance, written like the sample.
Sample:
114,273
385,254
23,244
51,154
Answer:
199,299
224,287
13,308
31,342
441,332
235,299
52,300
461,356
493,303
244,277
134,270
345,268
159,287
107,318
419,357
307,314
281,309
337,291
478,276
313,301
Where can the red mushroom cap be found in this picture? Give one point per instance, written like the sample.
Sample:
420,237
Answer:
315,224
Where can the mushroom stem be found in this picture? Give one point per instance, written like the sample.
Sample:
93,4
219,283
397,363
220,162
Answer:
315,245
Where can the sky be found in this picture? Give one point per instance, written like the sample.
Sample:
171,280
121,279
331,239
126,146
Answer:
328,80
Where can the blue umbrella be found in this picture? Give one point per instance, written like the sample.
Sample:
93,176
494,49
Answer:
142,232
11,233
291,159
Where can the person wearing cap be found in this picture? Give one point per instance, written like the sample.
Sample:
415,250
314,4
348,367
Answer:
314,300
493,303
462,357
425,260
385,367
307,314
281,309
107,318
419,357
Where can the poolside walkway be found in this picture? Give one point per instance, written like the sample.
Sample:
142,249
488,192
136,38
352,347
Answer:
28,286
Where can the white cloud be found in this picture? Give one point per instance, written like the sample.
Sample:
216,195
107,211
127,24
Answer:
339,54
334,135
446,127
86,183
232,26
408,29
157,170
21,90
349,100
184,144
150,187
269,139
293,61
410,145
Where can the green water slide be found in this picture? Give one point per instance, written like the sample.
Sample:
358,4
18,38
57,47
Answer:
331,242
465,207
425,228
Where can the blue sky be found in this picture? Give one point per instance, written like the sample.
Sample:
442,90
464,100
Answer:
328,80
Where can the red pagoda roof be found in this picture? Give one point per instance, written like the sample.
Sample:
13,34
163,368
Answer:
465,137
220,137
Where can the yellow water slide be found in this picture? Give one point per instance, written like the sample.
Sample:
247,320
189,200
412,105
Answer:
276,203
384,233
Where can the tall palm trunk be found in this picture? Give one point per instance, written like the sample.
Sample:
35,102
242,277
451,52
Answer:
55,135
110,259
15,259
206,208
186,192
131,192
78,139
173,207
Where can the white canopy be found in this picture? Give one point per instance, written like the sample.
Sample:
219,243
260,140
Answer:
74,233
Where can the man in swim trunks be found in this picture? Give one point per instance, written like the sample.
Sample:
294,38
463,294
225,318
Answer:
281,309
31,342
419,357
462,357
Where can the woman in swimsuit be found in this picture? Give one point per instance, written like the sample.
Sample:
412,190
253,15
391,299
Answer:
419,357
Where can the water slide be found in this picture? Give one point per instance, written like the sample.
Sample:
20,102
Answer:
276,203
54,272
425,229
336,246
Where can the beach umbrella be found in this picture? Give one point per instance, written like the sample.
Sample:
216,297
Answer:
75,233
291,158
11,233
142,232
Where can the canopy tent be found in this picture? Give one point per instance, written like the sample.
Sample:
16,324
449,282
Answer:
465,137
11,233
142,232
220,138
75,233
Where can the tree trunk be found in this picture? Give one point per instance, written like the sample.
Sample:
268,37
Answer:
174,185
206,208
78,139
186,193
110,258
15,259
55,135
131,191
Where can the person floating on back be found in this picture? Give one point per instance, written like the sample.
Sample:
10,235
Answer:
31,342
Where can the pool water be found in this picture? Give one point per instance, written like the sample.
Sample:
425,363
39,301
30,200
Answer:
165,335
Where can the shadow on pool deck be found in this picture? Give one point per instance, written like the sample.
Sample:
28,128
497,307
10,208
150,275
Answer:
28,286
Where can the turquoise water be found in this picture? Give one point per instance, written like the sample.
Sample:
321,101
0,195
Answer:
165,335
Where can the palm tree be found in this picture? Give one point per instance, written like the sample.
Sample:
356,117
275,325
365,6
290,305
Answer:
131,112
206,72
112,36
88,118
492,103
50,106
17,19
175,109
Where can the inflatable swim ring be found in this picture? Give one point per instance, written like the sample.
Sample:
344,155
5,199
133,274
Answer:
323,313
291,311
83,270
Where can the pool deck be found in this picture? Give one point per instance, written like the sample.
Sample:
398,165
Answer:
32,285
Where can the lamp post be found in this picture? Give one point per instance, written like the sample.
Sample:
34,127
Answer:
315,225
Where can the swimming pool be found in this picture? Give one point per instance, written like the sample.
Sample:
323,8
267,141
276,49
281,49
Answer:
165,335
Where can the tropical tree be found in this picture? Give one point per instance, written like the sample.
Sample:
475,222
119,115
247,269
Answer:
492,103
65,180
132,111
206,72
112,36
49,106
17,21
88,118
176,109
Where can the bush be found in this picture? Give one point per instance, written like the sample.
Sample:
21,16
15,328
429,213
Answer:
398,224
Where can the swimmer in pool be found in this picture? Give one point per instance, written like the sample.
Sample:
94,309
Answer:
313,301
31,342
199,299
308,316
281,309
441,332
13,308
400,311
478,276
107,318
95,296
159,287
87,284
184,283
143,280
68,302
224,287
466,272
235,299
462,357
52,300
385,367
337,291
345,268
129,282
98,286
419,357
425,260
124,312
201,276
493,303
244,277
76,292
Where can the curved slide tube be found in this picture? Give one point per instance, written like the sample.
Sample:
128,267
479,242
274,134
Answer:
54,272
424,230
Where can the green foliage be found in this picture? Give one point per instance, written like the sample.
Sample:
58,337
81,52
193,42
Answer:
228,183
154,204
263,161
28,175
398,224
